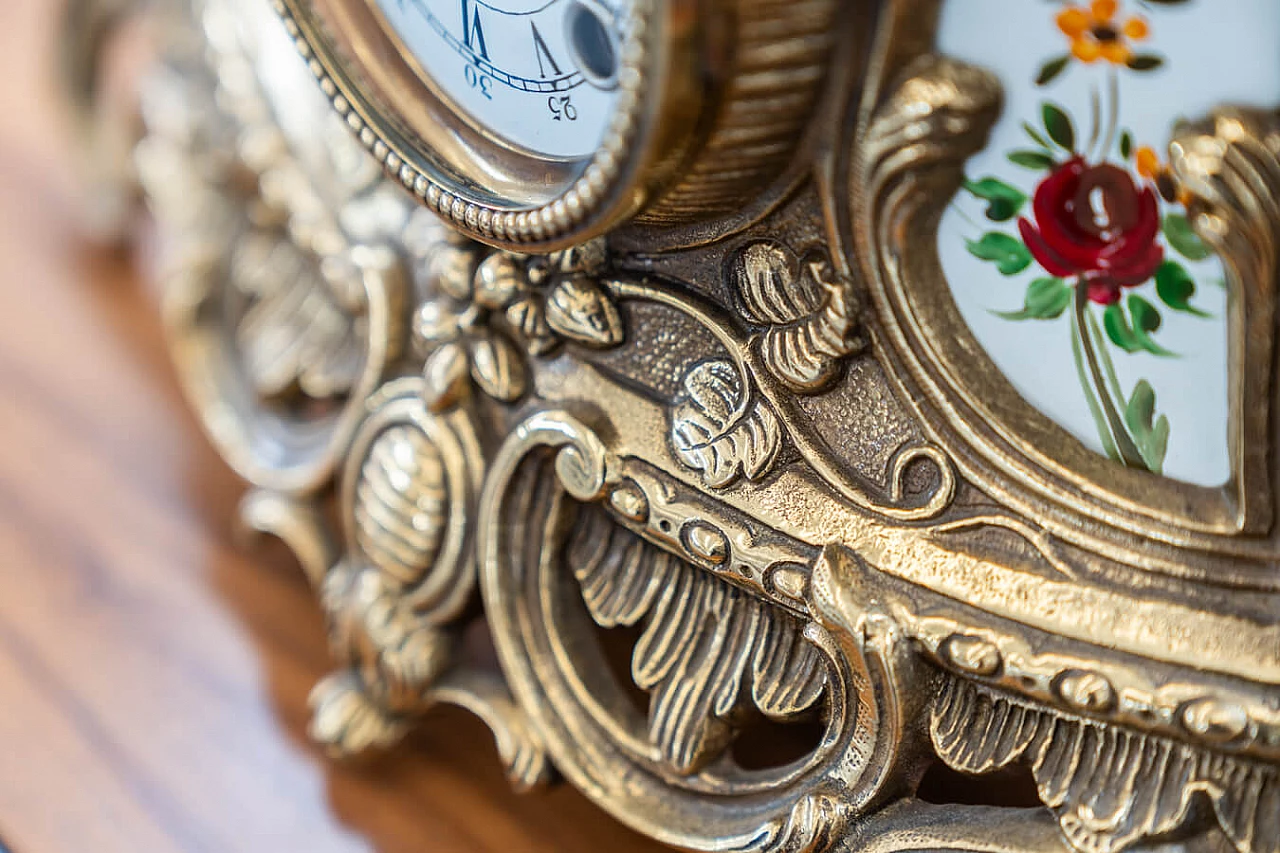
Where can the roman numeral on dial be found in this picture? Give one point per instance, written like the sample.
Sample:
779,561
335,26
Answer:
472,34
542,52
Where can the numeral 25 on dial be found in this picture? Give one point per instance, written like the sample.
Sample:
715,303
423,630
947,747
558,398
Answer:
562,108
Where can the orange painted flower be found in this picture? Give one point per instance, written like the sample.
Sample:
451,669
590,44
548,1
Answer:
1148,164
1096,33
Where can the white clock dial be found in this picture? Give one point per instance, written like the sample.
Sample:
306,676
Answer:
539,74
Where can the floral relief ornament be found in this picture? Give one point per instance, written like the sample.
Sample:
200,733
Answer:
1106,235
484,305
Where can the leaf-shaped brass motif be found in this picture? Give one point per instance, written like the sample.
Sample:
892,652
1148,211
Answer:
579,310
449,270
812,324
1109,787
400,504
529,318
497,367
446,376
719,431
295,336
705,648
498,281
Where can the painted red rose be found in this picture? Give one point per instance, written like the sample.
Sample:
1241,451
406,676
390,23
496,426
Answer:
1093,223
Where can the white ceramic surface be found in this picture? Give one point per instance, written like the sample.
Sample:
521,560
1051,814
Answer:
1213,52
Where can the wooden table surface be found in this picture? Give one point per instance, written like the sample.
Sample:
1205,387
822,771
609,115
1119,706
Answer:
153,675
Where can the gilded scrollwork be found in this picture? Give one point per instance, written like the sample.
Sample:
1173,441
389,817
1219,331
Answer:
677,550
394,591
757,394
396,594
707,652
699,689
1229,166
1120,753
283,317
290,266
924,116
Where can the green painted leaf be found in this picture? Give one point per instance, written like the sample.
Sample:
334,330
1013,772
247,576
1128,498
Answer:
1175,287
1036,136
1003,201
1051,69
1037,160
1157,445
1145,62
1058,125
1046,299
1126,145
1146,322
1118,330
1152,439
1183,238
1007,253
1141,408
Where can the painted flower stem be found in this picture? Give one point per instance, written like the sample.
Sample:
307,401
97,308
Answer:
1091,399
1123,442
1095,122
1113,114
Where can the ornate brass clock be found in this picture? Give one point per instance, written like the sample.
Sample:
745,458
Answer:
893,383
532,124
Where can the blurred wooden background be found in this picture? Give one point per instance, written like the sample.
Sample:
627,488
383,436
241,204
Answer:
153,676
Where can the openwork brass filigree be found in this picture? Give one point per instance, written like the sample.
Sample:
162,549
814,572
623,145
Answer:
762,457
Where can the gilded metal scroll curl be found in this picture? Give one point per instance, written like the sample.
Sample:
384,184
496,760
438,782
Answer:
1229,165
750,391
670,776
411,483
290,264
396,595
405,570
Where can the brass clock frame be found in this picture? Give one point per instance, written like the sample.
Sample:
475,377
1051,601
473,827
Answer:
732,427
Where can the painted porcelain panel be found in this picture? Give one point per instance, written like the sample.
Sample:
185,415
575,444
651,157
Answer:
1068,251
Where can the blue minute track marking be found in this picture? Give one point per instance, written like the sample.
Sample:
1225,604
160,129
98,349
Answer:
516,68
475,49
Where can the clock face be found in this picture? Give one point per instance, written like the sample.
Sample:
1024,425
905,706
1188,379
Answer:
539,74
